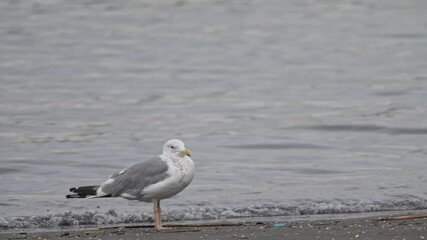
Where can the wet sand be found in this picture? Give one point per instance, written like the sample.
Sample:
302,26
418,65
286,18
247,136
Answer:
384,227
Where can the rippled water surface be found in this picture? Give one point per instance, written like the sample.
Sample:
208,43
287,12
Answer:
289,107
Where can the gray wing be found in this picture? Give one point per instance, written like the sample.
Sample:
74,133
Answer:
134,179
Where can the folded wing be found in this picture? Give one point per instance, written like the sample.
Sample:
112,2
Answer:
131,181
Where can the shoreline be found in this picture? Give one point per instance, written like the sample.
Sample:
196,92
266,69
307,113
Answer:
391,225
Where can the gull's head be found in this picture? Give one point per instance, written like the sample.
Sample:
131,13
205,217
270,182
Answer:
175,147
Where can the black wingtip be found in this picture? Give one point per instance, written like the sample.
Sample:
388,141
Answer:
82,191
76,195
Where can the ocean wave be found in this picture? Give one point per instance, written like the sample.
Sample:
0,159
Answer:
206,213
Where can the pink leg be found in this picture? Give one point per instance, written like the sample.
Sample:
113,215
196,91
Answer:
157,214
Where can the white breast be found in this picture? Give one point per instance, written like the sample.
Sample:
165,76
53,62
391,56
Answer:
181,172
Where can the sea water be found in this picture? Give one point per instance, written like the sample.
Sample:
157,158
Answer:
289,107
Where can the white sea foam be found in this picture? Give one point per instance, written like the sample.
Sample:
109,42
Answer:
206,213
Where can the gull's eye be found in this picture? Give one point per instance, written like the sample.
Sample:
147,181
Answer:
172,147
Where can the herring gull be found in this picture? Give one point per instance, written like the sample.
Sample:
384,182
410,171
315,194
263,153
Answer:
150,181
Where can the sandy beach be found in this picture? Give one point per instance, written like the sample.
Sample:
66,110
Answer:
402,226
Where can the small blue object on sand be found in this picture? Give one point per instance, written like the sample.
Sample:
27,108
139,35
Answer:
279,225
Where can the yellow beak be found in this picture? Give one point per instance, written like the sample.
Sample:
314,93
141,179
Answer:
186,152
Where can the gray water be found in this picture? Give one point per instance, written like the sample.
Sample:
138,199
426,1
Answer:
289,107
